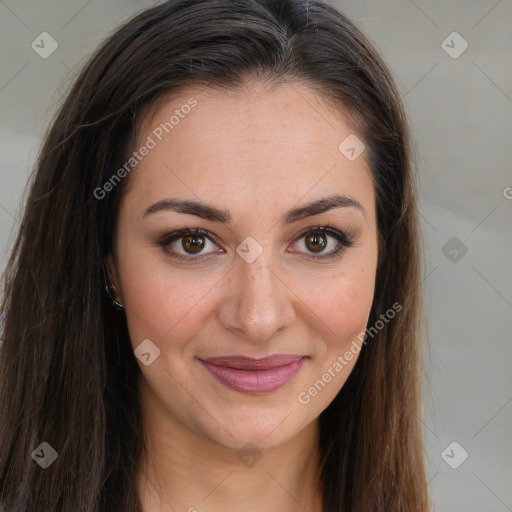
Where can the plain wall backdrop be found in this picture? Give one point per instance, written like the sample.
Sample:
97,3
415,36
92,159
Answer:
452,61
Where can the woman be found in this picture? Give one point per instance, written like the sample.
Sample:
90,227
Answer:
213,300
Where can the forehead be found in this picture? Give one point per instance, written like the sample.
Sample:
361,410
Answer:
251,144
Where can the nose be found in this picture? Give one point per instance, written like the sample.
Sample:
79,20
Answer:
257,302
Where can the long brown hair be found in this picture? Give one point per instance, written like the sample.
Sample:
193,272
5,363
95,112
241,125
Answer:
68,375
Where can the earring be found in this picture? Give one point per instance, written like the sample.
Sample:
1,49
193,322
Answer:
109,287
110,292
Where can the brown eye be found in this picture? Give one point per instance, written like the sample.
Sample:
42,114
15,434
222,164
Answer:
324,242
189,244
193,243
315,242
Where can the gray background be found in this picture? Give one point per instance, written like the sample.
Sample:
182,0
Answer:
461,116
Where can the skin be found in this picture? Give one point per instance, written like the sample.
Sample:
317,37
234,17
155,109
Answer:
257,152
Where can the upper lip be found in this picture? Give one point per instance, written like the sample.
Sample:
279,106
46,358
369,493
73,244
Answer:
249,363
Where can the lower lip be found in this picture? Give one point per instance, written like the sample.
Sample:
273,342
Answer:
254,381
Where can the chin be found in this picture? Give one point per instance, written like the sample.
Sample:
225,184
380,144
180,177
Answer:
265,429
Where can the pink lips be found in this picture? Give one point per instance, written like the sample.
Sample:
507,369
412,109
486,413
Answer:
253,376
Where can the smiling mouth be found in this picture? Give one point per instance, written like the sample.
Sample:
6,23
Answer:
254,376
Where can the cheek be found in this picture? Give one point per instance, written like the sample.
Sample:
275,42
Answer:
161,304
343,301
344,306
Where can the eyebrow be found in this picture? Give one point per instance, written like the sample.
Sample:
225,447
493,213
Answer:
215,214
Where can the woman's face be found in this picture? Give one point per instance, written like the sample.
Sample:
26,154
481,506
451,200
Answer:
258,172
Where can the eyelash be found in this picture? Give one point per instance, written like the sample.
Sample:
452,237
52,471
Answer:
344,241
